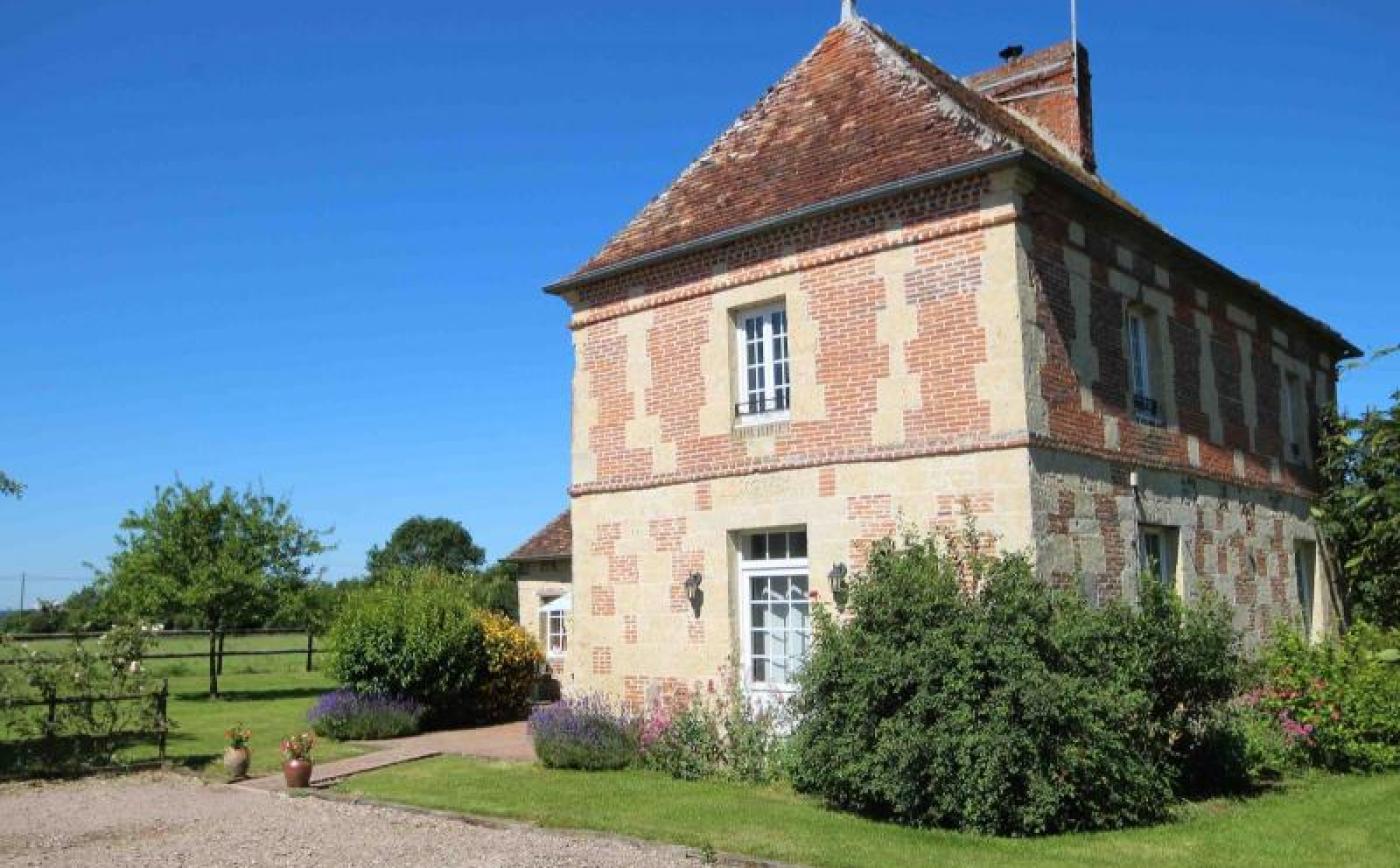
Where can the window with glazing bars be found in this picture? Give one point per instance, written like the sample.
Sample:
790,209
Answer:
765,388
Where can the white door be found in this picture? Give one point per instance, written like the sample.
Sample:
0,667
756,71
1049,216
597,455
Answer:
776,620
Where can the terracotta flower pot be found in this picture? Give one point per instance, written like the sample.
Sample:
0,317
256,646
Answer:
297,773
236,760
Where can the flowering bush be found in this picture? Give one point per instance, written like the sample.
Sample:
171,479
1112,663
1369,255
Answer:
298,747
347,715
81,735
1338,701
238,736
513,661
724,736
586,732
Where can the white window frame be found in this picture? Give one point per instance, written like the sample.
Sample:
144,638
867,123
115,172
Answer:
766,569
554,626
1168,540
1140,384
1305,579
763,365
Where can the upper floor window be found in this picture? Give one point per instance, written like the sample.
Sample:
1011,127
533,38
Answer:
1293,417
1141,349
765,390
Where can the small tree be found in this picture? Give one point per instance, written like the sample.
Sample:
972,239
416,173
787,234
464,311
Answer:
1359,510
9,486
214,560
426,542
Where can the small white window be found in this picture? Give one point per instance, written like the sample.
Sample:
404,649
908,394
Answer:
554,631
777,628
1304,571
765,389
1157,553
1293,417
1145,405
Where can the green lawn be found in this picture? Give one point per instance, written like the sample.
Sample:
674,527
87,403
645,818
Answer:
1321,820
272,705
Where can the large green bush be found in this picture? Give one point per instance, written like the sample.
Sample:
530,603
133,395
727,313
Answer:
425,640
1017,710
1339,700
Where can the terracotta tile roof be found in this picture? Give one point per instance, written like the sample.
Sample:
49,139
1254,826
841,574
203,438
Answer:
554,540
848,117
860,111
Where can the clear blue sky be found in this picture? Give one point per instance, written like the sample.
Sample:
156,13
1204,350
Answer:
301,244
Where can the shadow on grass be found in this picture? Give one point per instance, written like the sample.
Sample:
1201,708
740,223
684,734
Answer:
251,695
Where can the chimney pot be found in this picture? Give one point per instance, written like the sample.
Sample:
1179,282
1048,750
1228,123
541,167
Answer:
1011,53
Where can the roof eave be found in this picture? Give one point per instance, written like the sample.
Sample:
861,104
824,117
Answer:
705,242
1348,350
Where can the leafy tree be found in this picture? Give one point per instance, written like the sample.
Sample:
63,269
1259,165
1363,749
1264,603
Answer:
214,560
426,542
492,589
1359,510
9,486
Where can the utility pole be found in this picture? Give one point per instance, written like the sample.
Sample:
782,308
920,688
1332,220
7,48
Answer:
23,577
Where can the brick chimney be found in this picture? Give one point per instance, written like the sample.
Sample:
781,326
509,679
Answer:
1041,87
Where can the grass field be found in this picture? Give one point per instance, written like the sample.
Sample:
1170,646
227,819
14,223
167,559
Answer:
268,694
1321,820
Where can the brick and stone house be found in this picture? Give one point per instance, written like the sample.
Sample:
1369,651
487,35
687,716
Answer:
544,587
887,295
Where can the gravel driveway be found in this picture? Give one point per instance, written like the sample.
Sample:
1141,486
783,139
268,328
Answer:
165,819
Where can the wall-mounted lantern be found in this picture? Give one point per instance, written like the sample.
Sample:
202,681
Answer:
840,587
693,592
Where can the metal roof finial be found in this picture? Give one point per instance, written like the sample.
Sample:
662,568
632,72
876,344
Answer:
848,10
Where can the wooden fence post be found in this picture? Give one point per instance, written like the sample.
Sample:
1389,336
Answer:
221,652
213,665
310,647
162,715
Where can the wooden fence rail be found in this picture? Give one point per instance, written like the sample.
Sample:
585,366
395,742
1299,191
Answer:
215,654
160,726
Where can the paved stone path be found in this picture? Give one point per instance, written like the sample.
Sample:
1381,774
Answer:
509,741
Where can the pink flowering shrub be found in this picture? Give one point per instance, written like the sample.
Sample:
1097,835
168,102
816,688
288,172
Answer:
1337,702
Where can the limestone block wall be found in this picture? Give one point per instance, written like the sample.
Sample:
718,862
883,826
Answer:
1234,540
635,635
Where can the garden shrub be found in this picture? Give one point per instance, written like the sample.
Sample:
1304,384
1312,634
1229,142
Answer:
349,716
1340,698
1016,710
81,736
513,662
585,732
425,641
724,737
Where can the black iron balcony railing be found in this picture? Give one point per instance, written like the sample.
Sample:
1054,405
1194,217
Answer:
1146,410
758,405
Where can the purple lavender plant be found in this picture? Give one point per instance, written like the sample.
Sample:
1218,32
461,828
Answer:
349,716
585,732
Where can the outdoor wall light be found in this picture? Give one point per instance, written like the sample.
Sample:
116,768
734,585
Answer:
839,585
693,592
